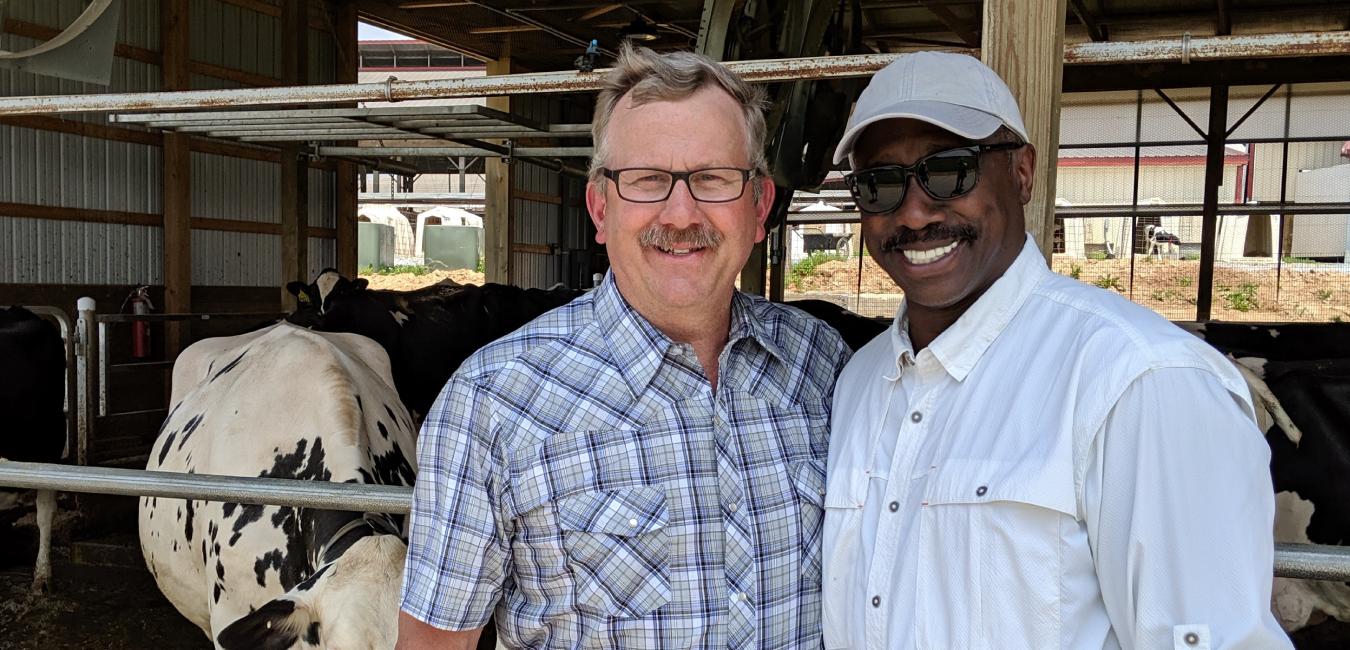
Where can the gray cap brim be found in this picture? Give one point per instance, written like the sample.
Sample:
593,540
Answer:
964,121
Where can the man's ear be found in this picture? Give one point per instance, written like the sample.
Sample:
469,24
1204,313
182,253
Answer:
595,204
764,206
1026,172
297,289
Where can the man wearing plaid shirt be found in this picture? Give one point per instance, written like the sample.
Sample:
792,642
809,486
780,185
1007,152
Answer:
644,467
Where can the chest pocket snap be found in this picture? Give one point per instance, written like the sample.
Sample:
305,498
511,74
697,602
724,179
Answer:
618,550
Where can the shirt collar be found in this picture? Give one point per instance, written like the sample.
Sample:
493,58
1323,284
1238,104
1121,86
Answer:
639,348
960,347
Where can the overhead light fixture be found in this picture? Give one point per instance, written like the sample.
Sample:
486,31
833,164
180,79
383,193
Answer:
638,30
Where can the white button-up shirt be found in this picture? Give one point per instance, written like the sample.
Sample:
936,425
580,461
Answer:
1061,468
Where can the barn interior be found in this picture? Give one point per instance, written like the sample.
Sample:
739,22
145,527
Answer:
1201,117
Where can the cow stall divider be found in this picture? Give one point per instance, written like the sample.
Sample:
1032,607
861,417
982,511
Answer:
91,367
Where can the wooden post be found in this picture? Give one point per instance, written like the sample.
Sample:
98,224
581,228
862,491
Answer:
500,214
1024,44
1209,221
348,63
294,166
752,274
177,178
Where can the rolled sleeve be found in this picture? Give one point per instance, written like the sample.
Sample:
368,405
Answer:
1180,509
457,557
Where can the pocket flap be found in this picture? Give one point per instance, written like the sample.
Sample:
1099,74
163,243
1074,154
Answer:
809,478
626,512
1047,485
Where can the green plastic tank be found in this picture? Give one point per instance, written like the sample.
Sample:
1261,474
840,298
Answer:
452,247
374,245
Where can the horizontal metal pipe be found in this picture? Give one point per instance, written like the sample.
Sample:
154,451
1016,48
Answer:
763,71
207,487
1306,561
441,152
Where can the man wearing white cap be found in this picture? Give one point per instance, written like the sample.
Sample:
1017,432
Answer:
1022,460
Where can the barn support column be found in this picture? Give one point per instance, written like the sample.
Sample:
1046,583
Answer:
1024,44
348,62
1209,221
177,178
294,165
500,212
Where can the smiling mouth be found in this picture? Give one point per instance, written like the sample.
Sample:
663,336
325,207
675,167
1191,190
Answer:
678,252
931,255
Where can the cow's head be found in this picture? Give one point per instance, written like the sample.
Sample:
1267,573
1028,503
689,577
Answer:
351,604
333,303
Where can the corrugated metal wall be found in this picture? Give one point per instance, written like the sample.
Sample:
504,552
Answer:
542,224
44,168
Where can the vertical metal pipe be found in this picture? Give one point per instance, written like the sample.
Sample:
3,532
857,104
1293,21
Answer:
84,352
102,369
1134,198
1284,189
461,175
1218,127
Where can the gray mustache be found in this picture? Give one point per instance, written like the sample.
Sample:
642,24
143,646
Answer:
696,236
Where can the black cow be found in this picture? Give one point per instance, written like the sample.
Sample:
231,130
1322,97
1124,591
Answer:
1300,377
430,331
32,390
427,332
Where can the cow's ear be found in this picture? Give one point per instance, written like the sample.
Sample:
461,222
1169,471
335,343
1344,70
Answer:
275,626
359,284
297,289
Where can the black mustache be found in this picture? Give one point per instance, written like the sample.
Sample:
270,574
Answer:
934,232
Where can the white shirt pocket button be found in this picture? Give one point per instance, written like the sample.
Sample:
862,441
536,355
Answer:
980,491
1190,637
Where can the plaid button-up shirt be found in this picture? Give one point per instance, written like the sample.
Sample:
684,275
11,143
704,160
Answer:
582,478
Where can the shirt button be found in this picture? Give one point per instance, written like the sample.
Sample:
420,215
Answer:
1192,638
876,601
916,416
979,491
732,507
895,505
632,522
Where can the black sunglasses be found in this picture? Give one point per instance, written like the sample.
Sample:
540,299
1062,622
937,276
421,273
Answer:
943,175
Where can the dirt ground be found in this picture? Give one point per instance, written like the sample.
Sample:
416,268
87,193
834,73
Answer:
409,282
103,608
1306,292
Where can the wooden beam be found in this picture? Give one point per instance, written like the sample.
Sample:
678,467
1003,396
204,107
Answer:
536,197
434,4
1096,30
953,22
1024,44
506,29
1225,23
598,11
85,129
531,248
294,171
115,217
316,19
346,231
499,205
175,74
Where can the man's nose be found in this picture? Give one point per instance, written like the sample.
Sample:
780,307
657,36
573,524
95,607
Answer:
917,210
680,209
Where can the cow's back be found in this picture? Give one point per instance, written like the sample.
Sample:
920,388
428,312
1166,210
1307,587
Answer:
32,387
283,402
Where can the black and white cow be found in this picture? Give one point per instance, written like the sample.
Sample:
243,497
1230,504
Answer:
282,402
32,392
1299,374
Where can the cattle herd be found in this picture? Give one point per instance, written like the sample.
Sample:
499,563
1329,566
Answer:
337,393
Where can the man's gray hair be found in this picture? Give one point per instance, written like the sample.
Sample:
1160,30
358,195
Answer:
652,77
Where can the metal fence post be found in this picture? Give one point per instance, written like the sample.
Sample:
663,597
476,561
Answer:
84,355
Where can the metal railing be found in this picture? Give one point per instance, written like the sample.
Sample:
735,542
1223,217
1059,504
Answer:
1305,561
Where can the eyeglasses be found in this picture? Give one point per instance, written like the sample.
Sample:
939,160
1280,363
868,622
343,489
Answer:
711,185
943,175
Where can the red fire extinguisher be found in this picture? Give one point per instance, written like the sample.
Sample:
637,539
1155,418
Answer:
140,330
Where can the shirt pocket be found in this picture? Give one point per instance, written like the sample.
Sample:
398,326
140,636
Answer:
808,478
840,551
617,550
990,543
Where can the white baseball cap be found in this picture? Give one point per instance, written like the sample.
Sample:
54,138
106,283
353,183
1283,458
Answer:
954,91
